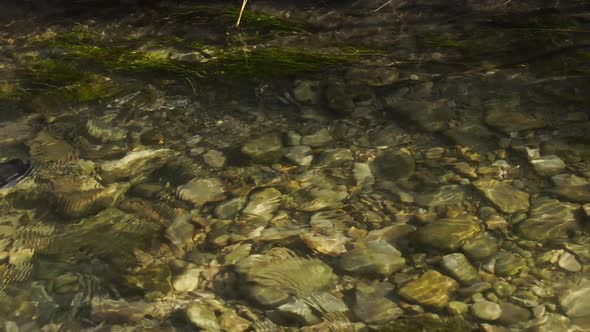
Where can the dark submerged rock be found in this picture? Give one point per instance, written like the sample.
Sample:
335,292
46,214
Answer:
13,171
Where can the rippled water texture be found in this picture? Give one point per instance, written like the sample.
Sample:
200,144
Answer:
325,166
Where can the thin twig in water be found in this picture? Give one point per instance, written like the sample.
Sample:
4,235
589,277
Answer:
244,2
192,86
382,6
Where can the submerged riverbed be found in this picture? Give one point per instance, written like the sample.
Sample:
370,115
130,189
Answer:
359,166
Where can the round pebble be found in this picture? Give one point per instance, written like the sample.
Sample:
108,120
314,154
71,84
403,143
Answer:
486,310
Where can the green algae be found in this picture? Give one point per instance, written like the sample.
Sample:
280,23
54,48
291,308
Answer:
506,40
279,62
434,40
52,72
262,22
9,91
63,81
263,62
86,91
428,324
258,21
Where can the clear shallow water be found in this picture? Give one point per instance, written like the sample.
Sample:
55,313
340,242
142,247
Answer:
322,168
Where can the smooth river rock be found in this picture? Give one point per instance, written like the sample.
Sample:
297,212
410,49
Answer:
549,219
486,310
431,289
575,302
201,191
264,149
459,267
394,165
377,257
136,163
447,234
548,165
503,195
509,121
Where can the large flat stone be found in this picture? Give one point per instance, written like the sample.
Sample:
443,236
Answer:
503,195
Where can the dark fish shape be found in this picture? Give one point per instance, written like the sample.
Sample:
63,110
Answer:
12,171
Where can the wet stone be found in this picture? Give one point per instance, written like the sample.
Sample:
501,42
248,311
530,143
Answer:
581,250
292,138
474,136
230,208
465,169
486,310
362,174
268,296
575,301
459,267
320,138
378,257
508,264
300,155
503,195
553,323
335,157
394,165
508,121
549,219
230,321
377,76
457,308
337,97
201,316
214,158
513,314
297,311
430,289
429,116
317,199
390,135
147,190
481,247
180,232
264,149
548,165
187,281
372,306
264,203
201,191
189,57
571,188
104,131
307,92
445,195
13,171
569,262
475,288
447,234
391,233
503,288
136,163
270,278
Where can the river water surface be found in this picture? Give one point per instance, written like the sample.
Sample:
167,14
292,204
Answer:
324,166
